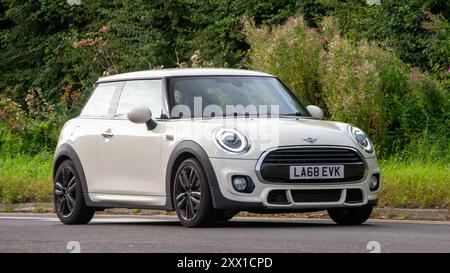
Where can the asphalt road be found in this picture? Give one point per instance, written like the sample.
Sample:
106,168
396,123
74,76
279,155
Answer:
44,233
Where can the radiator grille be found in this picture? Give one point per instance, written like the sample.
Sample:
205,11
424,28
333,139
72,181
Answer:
276,164
316,155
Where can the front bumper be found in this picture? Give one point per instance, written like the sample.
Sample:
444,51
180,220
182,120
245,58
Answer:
225,169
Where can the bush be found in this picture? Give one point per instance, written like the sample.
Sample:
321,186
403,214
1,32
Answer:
421,115
438,47
292,52
424,147
32,131
360,84
357,82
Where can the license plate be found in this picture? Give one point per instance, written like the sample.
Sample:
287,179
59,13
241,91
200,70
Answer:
317,172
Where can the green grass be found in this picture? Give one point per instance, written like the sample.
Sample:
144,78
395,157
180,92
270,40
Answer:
407,184
415,184
26,178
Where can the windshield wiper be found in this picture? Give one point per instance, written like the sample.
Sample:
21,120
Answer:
241,115
296,114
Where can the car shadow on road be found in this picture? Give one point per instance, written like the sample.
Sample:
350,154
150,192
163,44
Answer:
280,224
237,223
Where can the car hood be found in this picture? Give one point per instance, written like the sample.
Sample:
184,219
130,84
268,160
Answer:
267,133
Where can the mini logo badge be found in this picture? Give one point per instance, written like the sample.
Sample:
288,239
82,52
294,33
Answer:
310,140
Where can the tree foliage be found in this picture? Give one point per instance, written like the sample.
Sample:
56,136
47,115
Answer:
61,49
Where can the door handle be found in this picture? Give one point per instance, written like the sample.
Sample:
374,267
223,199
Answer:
107,134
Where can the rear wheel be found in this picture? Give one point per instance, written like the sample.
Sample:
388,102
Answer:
68,196
350,216
191,195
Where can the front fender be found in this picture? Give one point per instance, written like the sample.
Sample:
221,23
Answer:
189,148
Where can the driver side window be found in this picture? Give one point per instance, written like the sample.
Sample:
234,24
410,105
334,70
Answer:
138,93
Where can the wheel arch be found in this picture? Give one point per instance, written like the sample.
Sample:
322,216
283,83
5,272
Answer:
182,151
188,148
57,162
67,152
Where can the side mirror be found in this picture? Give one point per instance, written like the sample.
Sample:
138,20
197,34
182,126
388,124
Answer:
142,114
315,111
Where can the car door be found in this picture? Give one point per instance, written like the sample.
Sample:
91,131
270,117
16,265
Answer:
129,154
99,108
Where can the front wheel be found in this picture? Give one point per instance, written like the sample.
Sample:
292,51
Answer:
350,216
68,196
191,195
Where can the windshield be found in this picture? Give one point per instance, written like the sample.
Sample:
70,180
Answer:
214,96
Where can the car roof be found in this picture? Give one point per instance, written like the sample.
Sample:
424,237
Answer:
180,72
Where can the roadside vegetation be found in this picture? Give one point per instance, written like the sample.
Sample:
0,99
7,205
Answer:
26,178
383,68
353,81
415,184
412,183
418,176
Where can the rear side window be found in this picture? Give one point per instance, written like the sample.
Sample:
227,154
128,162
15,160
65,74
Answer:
141,93
102,101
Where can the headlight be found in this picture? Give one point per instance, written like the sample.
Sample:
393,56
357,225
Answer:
361,138
231,140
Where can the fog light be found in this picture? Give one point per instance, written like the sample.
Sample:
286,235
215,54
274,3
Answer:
243,184
239,183
374,183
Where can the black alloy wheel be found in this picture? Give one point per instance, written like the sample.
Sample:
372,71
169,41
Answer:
65,191
69,201
188,192
191,195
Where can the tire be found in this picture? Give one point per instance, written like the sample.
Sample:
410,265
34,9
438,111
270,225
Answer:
69,201
192,197
350,216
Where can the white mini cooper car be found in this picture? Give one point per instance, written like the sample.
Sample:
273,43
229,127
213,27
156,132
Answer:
209,143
